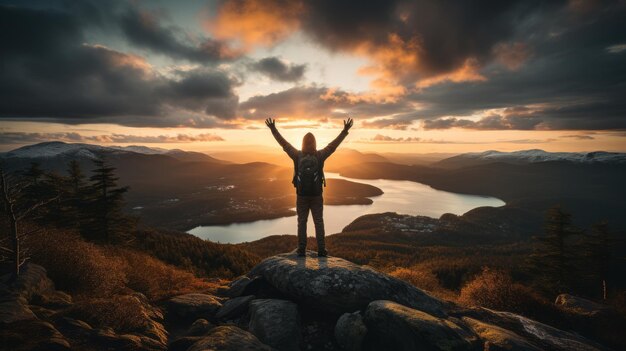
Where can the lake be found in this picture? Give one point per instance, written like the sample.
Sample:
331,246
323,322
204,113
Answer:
399,196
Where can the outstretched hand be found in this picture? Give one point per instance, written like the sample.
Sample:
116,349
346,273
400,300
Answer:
347,124
271,123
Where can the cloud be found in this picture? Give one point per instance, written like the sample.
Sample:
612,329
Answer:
255,22
491,122
48,72
403,38
578,136
278,69
386,138
143,29
28,138
318,103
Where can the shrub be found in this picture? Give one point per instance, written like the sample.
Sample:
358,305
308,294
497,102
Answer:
75,265
151,276
495,289
422,279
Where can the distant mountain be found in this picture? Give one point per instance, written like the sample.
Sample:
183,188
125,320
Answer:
341,158
531,156
60,150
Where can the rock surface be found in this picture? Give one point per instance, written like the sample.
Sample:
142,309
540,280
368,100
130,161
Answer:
234,307
496,338
580,305
402,328
229,338
350,331
191,307
276,323
339,286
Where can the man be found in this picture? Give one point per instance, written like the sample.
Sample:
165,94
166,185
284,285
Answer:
308,179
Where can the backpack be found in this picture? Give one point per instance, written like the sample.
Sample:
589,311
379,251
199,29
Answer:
309,177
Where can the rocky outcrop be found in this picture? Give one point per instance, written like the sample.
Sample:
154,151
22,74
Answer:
398,327
229,338
284,303
276,323
339,286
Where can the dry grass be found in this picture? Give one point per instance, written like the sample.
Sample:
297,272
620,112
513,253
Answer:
88,270
122,313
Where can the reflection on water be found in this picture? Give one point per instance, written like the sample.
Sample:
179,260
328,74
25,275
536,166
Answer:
399,196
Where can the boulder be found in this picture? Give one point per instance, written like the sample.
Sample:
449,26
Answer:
229,338
396,327
15,309
32,334
234,308
496,338
32,281
578,305
199,328
339,286
191,307
350,331
537,333
276,323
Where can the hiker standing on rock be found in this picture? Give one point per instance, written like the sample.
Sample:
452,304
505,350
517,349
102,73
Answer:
308,179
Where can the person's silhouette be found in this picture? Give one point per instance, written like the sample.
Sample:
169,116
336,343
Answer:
308,179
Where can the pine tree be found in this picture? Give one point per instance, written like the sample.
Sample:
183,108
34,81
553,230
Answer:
597,250
553,259
107,222
34,173
75,196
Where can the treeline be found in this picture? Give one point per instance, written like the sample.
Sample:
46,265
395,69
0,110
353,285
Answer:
92,206
567,259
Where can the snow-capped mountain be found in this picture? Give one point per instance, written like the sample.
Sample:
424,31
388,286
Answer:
57,149
533,156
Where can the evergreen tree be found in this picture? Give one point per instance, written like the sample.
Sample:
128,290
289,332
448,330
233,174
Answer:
553,260
597,251
75,199
106,221
34,173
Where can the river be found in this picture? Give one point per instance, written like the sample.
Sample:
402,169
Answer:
405,197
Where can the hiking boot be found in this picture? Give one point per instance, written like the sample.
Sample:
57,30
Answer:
322,253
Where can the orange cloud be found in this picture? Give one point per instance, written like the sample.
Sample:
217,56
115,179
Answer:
255,22
469,72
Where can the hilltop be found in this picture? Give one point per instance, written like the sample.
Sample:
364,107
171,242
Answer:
284,303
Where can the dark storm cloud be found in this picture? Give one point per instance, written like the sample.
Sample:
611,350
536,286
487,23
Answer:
279,70
49,72
143,29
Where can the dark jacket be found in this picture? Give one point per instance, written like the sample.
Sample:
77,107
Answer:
321,155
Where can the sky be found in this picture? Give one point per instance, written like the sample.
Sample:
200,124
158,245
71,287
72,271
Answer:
417,76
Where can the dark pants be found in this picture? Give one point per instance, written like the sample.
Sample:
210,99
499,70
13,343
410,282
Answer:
316,205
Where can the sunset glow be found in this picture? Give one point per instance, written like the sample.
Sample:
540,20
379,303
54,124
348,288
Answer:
418,77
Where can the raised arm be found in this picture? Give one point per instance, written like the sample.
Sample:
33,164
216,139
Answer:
330,148
289,149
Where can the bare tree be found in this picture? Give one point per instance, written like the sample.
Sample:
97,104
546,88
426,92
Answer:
11,191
